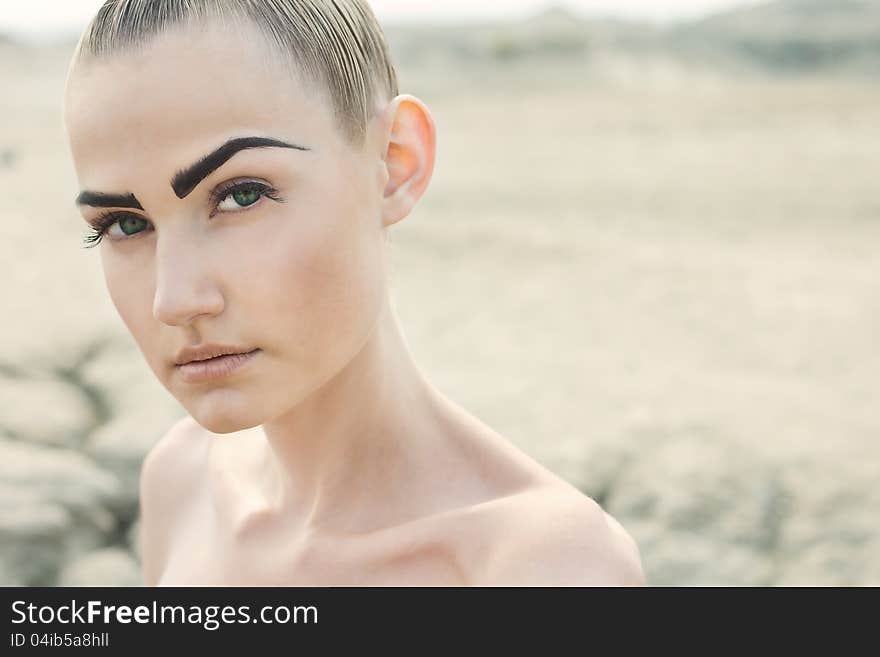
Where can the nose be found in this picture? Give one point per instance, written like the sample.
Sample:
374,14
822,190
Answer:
185,286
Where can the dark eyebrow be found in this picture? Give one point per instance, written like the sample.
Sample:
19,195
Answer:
99,200
185,180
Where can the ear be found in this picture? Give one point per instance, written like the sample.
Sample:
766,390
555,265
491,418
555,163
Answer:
408,151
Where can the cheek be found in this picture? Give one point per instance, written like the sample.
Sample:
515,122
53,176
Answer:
130,293
129,284
319,286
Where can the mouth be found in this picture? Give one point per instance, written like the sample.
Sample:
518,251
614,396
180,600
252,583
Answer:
208,351
217,358
197,371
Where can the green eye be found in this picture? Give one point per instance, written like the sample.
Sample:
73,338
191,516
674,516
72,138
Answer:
125,223
245,197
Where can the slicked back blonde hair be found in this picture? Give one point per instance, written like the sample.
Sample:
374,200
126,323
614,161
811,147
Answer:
337,44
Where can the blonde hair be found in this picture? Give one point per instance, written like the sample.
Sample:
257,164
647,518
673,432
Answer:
337,44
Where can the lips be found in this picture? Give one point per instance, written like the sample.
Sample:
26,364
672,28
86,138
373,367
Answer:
208,351
199,371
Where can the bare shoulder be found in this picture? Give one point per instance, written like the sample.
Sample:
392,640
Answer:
168,477
173,458
555,536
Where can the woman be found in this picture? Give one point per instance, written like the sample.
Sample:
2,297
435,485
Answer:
241,164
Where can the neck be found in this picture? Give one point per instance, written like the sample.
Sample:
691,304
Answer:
339,456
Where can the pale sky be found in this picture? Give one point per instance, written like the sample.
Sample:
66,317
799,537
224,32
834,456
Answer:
33,17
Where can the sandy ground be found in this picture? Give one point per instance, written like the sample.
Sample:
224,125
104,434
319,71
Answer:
666,290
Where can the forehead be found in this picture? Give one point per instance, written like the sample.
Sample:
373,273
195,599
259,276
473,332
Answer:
188,89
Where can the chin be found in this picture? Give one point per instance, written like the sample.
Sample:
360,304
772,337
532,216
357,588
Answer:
224,419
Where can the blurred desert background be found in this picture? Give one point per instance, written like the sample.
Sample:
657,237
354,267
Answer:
649,256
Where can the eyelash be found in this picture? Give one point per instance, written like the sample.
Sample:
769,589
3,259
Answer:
106,220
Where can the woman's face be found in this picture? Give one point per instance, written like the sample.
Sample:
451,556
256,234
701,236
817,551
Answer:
292,265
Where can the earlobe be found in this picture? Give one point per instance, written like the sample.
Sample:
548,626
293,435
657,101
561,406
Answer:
409,156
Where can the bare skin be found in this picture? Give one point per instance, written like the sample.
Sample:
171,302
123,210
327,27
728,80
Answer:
329,459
